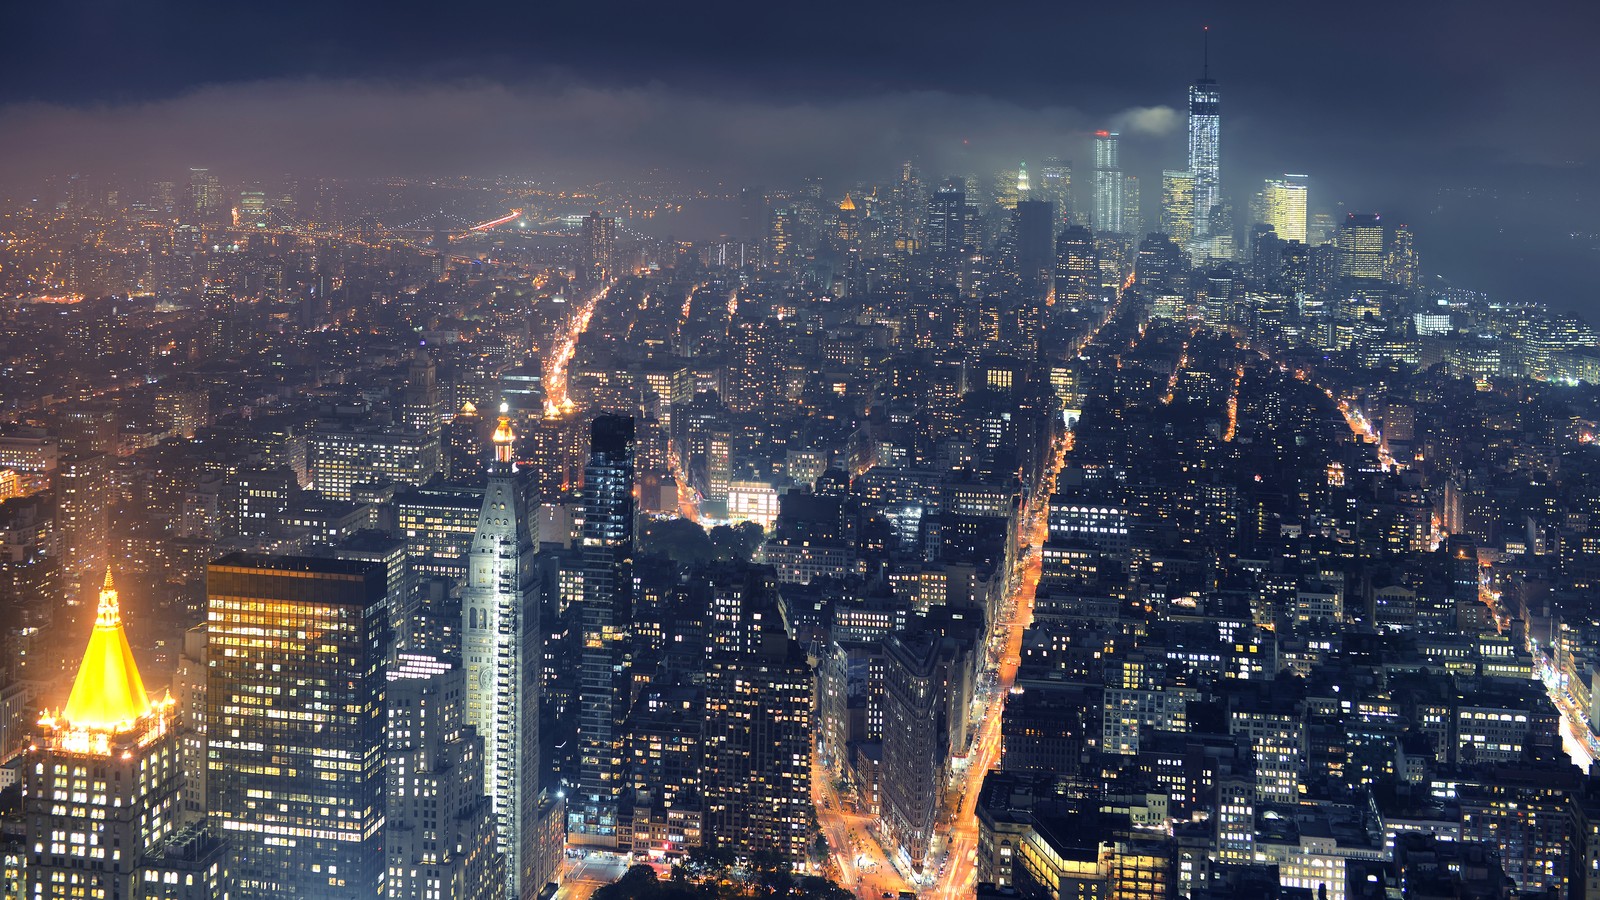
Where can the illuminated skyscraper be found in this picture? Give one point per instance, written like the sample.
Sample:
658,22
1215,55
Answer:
465,455
1205,146
1177,205
1055,185
759,688
1132,214
1108,184
1403,268
947,219
1360,243
294,718
81,484
599,247
1077,267
607,545
102,779
1283,206
502,653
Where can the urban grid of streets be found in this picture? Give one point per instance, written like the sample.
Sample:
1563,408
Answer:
861,860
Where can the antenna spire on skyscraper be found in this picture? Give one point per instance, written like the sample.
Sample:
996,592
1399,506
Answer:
1205,51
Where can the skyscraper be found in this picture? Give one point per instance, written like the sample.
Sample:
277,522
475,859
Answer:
1132,214
1034,233
1403,268
1205,146
1055,185
102,774
1108,184
599,247
1283,206
1077,267
758,723
440,830
1360,244
294,717
1177,205
503,654
81,484
607,545
946,222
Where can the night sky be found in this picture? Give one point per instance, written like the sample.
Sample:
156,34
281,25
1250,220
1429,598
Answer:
1474,117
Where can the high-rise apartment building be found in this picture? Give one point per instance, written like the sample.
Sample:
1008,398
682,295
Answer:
81,484
606,542
1108,184
1283,206
294,719
503,654
102,777
599,247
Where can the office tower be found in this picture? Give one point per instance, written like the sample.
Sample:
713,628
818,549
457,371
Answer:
1033,229
1108,184
440,835
1283,206
599,247
465,454
81,485
294,716
1024,183
1077,267
947,218
102,778
343,456
1132,216
1205,146
606,501
759,687
1360,243
1403,268
782,227
503,654
1160,266
1055,185
205,194
419,401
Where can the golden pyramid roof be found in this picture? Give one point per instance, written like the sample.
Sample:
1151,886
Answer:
108,694
847,205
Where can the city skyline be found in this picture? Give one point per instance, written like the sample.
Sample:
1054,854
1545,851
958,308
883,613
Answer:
877,460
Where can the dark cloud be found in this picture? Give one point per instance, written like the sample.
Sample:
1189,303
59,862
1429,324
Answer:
1388,106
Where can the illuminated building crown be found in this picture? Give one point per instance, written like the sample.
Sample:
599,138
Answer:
108,694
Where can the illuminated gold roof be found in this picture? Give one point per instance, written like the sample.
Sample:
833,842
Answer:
108,694
847,205
467,409
503,433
